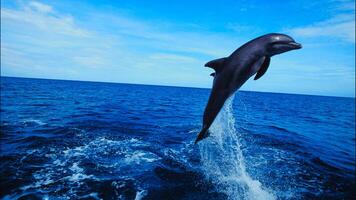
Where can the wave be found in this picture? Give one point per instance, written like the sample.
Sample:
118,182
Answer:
33,122
223,161
91,164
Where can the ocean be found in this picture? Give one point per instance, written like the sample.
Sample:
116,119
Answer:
90,140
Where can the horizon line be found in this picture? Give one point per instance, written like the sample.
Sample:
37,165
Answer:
58,79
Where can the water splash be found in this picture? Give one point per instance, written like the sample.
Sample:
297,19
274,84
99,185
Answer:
223,161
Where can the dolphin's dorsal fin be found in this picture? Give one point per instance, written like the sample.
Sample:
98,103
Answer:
263,68
217,64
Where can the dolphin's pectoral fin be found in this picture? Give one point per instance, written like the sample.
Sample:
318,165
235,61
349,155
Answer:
217,65
263,68
212,74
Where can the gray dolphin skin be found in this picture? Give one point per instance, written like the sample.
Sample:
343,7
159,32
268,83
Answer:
233,71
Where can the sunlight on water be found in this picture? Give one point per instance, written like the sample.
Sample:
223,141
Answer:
223,161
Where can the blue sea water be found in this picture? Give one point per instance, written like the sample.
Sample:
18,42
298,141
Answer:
88,140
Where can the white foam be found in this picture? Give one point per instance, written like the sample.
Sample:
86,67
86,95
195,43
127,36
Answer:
65,165
35,121
76,168
92,195
79,177
139,156
78,173
140,194
41,178
223,161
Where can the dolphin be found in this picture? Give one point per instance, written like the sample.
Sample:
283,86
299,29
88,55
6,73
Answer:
233,71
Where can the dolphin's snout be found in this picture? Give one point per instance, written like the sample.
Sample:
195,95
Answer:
295,45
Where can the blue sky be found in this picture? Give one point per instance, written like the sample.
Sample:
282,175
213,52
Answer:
168,42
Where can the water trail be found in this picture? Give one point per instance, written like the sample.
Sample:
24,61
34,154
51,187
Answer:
223,161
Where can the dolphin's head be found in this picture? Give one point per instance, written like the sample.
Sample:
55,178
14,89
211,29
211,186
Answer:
276,43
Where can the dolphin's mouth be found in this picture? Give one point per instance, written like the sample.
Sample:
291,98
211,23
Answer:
295,45
286,46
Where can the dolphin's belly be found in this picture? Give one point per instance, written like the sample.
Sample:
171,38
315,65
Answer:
239,78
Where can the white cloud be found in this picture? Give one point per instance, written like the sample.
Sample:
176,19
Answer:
340,26
40,7
152,34
37,27
173,58
38,41
39,15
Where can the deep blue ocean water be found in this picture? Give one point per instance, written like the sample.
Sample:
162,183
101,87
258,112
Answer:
88,140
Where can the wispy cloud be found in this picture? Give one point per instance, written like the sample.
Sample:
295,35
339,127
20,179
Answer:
159,36
38,39
340,26
44,8
42,16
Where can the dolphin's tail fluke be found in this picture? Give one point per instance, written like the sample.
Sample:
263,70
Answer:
203,134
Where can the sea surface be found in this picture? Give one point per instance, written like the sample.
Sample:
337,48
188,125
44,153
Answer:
89,140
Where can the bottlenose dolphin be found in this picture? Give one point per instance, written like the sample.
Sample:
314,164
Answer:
233,71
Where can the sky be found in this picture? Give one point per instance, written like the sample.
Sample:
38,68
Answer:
168,42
